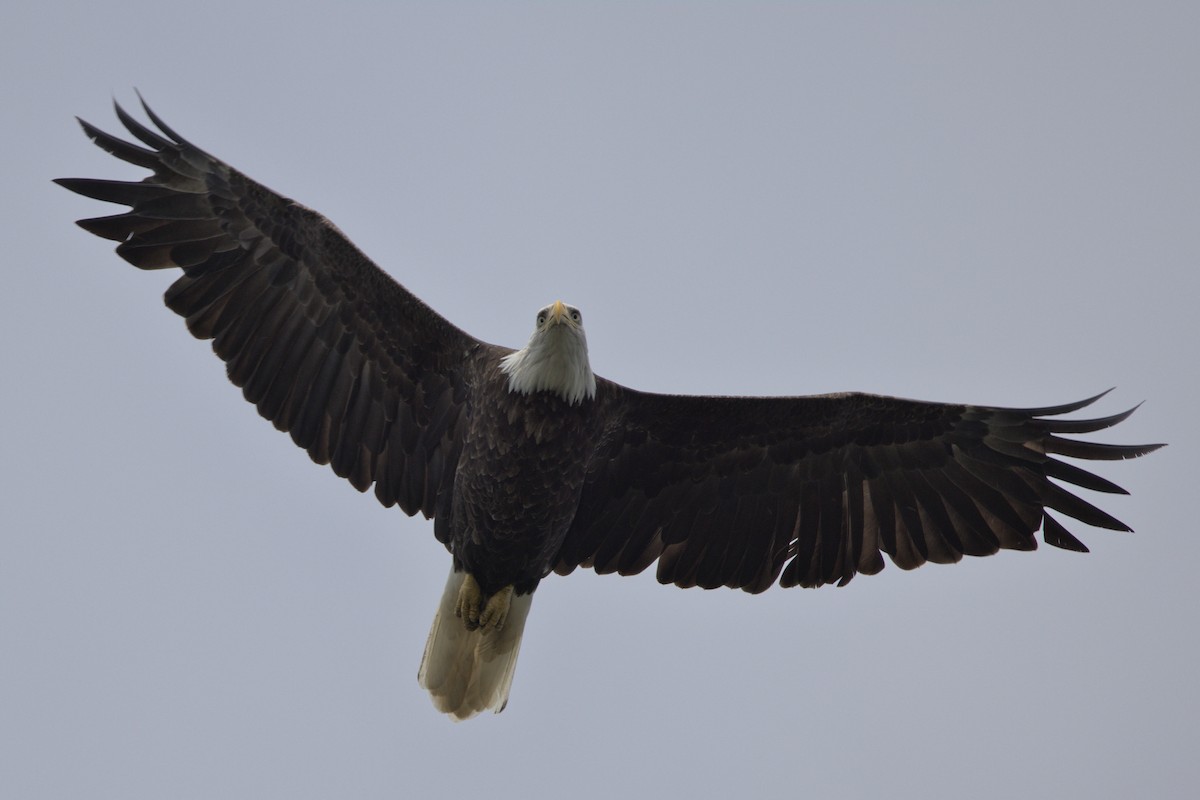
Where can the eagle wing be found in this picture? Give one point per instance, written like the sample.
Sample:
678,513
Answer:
731,491
365,377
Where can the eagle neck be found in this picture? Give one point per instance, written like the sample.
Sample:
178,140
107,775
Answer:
553,361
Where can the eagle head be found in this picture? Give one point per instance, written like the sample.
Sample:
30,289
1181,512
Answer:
555,359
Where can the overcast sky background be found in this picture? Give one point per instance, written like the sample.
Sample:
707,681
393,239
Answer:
991,203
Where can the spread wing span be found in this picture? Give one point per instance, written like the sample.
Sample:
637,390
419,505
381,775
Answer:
740,491
731,491
365,376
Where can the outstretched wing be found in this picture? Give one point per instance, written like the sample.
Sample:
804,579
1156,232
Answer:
365,377
735,491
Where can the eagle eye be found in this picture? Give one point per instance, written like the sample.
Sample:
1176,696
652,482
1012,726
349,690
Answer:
575,315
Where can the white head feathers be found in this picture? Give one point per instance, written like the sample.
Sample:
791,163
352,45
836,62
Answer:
555,359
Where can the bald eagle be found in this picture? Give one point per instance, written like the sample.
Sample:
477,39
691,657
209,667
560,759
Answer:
529,464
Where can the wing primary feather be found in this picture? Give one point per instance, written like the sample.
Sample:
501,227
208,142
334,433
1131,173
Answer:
1052,411
1072,448
126,151
1087,425
147,136
1060,499
119,227
162,126
1080,477
1056,535
125,193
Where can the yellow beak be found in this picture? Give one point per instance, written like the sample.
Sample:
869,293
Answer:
558,313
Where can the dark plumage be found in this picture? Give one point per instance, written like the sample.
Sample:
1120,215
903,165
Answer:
534,466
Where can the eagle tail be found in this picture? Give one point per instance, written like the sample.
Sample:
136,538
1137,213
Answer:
467,672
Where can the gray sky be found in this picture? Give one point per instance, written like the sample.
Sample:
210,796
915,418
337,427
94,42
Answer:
991,203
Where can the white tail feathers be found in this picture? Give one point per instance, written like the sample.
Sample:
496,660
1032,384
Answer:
471,671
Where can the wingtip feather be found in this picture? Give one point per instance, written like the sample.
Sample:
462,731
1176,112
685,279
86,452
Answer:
1065,408
157,120
1054,534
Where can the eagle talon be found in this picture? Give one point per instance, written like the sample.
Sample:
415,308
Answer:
496,611
470,597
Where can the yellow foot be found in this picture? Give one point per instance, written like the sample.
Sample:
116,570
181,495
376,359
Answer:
496,610
475,613
469,599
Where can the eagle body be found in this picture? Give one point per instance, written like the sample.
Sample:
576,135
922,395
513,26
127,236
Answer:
520,474
528,463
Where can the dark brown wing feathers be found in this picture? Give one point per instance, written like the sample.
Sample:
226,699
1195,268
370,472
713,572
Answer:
812,490
363,375
739,492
